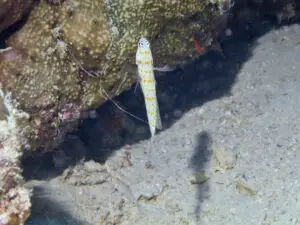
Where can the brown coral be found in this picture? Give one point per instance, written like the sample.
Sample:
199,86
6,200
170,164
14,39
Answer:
84,27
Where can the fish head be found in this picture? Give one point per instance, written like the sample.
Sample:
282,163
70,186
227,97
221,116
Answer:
143,43
143,53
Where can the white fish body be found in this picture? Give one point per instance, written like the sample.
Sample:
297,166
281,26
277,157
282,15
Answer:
144,62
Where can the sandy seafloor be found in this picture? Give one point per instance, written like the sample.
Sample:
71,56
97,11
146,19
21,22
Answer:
229,153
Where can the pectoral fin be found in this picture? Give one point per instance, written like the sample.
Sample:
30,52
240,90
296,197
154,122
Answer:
165,68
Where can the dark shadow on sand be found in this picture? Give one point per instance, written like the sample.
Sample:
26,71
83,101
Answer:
201,156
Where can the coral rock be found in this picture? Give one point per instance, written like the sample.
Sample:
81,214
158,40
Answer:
12,11
14,200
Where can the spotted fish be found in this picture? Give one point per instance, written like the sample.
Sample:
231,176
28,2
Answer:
144,62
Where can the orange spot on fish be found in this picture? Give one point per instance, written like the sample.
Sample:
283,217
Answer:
199,49
144,62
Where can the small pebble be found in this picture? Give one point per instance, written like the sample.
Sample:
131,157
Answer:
245,189
225,159
92,114
177,113
228,32
198,178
